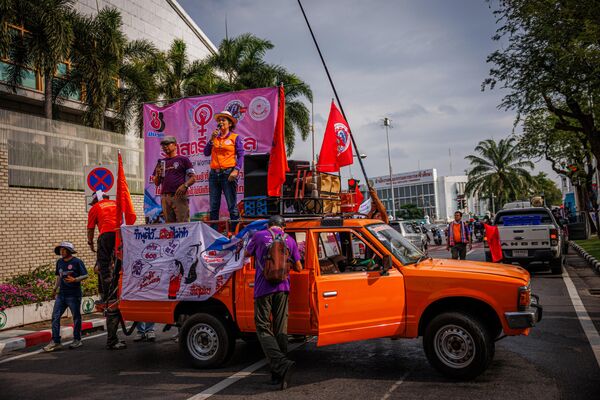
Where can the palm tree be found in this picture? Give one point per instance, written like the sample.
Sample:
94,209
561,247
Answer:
97,56
498,171
179,77
240,62
45,45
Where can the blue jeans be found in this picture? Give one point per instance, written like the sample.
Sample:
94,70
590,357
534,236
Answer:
145,327
60,305
217,184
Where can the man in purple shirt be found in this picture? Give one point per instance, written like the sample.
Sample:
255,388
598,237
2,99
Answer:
176,174
273,300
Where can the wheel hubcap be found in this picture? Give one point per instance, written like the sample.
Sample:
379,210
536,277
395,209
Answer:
454,346
203,342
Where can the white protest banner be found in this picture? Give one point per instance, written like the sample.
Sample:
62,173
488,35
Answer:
182,261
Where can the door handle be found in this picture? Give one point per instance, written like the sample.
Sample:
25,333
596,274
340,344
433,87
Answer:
329,294
251,284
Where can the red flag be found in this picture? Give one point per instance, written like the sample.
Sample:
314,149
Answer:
278,164
124,206
336,150
124,203
493,239
358,198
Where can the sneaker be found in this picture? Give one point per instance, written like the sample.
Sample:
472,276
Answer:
75,344
286,379
150,336
139,336
117,346
52,346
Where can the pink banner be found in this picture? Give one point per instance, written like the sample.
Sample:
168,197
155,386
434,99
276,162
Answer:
191,121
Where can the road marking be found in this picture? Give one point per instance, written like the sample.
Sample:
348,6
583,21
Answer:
42,350
395,386
584,317
230,380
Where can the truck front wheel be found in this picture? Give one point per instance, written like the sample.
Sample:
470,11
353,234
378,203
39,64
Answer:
458,345
206,341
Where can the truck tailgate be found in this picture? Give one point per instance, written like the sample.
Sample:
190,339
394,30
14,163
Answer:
530,237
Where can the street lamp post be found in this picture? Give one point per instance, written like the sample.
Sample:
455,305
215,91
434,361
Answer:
387,123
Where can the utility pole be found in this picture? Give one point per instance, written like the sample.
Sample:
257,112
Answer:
387,123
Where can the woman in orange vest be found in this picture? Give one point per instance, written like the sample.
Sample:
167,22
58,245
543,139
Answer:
227,154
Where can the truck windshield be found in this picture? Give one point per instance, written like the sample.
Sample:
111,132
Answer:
401,248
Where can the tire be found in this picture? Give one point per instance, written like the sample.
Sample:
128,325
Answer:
556,265
458,345
206,341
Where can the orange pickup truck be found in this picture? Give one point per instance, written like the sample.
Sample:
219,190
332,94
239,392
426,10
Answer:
363,280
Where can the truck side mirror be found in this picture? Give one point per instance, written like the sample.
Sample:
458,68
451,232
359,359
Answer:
387,264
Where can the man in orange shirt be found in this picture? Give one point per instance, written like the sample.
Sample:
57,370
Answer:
103,214
458,237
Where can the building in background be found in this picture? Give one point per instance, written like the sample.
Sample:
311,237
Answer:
42,161
439,197
159,21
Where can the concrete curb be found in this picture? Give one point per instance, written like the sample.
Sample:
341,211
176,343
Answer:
44,336
595,264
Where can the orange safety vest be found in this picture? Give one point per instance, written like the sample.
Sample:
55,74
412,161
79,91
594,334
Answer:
223,152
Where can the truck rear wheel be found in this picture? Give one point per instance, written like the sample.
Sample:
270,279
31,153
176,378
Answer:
206,341
556,265
458,345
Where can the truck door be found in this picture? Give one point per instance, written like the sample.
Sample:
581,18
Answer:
353,299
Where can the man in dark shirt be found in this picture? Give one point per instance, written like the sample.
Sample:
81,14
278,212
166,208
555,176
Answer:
70,271
273,300
176,174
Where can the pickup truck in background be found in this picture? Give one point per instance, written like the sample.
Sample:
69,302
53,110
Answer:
363,280
530,235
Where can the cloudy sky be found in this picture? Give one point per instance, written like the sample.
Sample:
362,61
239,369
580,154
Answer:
419,62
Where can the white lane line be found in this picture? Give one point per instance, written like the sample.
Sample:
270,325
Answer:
395,386
584,318
230,380
42,350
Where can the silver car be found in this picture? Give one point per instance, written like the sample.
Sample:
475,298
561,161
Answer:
411,233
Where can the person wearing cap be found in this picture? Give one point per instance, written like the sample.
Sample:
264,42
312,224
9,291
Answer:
176,174
226,152
70,271
104,215
271,301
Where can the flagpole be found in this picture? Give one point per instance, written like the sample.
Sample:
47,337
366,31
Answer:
335,93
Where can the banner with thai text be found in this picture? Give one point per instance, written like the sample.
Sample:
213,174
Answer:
182,261
191,121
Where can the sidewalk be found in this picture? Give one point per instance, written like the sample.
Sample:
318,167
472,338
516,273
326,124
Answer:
41,332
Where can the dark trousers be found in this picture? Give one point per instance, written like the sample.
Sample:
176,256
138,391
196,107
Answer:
217,184
106,250
459,251
60,305
273,337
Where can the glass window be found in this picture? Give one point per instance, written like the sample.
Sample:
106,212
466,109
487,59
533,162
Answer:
413,191
419,190
300,238
401,248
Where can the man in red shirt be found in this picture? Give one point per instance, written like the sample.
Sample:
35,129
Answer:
458,237
103,214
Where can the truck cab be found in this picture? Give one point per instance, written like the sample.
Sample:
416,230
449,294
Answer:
363,280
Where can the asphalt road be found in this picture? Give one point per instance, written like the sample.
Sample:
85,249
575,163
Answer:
555,361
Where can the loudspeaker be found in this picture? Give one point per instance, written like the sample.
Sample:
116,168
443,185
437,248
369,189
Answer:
255,174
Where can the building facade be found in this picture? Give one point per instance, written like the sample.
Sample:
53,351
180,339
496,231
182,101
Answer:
439,197
42,161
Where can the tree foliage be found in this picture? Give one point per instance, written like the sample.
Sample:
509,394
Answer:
550,59
547,187
498,170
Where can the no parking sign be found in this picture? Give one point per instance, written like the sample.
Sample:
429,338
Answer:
100,177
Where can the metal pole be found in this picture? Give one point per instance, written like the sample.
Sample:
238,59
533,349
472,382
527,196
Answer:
362,167
312,127
386,124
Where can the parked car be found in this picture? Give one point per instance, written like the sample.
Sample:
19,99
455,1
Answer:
529,235
412,233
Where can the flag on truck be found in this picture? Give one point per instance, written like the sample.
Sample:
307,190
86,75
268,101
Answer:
336,150
278,164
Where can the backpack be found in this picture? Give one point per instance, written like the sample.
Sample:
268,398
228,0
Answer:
278,260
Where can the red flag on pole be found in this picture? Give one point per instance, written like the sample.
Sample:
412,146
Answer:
278,164
336,150
125,210
493,240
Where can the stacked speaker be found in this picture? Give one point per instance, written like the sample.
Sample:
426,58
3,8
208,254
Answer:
255,175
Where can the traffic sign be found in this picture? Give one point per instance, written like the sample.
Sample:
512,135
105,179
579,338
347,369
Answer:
100,177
